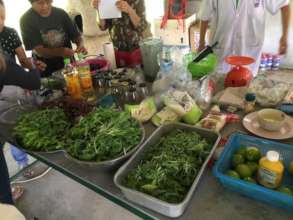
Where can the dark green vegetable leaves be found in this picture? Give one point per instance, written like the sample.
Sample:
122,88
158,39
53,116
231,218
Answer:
42,130
170,167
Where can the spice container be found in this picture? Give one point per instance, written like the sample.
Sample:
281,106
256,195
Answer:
133,96
143,90
250,100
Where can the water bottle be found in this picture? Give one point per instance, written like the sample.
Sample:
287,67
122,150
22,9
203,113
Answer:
19,156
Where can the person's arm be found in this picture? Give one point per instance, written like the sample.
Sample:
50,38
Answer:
285,12
16,75
23,60
206,13
136,13
53,52
74,35
202,34
103,24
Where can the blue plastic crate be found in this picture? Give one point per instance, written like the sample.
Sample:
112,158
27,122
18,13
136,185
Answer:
255,191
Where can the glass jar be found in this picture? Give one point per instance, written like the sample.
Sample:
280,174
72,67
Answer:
250,100
133,96
143,90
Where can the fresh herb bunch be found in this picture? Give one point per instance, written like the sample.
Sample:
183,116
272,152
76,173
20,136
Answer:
103,134
169,168
42,130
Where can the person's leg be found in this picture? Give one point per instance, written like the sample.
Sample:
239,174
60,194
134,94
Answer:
5,191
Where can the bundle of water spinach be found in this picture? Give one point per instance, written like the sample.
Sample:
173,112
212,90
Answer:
170,167
103,134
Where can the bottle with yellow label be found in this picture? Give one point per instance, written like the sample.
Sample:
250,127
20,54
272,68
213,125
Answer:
72,84
85,79
72,79
271,170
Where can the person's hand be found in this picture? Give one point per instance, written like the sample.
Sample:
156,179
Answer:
41,66
201,47
95,3
123,6
81,49
283,45
67,52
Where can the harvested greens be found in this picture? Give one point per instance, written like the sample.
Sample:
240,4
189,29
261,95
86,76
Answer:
170,167
103,134
42,130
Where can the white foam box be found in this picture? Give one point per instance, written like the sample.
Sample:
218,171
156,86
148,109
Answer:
174,33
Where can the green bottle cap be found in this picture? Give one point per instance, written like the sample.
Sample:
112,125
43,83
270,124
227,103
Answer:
66,61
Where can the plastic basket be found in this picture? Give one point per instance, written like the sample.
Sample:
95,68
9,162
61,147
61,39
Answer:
255,191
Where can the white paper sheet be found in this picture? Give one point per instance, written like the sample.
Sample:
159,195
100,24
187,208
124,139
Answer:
108,9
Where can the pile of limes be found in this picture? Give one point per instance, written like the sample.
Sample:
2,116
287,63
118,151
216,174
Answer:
245,166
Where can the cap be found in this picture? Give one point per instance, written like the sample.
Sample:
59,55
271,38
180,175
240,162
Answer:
250,97
273,156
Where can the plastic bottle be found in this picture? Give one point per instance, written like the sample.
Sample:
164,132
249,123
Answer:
19,156
72,81
271,169
85,79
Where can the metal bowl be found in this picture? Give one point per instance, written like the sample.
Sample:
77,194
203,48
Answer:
109,164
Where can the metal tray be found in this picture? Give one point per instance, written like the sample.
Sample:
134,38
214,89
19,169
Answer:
114,163
162,207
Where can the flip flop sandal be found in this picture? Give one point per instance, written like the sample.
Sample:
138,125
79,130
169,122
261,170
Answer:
17,191
29,173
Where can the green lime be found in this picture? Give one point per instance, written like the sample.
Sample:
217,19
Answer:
237,159
285,190
242,151
290,168
243,170
249,179
233,174
253,154
253,166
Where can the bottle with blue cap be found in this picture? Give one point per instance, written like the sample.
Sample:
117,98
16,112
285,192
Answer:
250,100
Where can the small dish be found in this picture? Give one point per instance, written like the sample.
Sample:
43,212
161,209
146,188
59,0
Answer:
251,123
271,119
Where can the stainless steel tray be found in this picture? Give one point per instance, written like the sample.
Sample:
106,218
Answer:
168,209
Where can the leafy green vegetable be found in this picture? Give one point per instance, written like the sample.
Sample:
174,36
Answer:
103,134
169,168
42,130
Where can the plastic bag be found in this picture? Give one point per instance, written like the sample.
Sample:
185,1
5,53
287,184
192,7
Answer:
268,92
172,74
183,105
202,91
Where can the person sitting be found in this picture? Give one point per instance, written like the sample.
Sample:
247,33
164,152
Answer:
125,32
49,31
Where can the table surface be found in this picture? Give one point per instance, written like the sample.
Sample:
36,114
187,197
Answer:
210,200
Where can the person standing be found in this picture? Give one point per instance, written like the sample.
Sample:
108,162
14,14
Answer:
125,32
239,27
48,31
12,74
